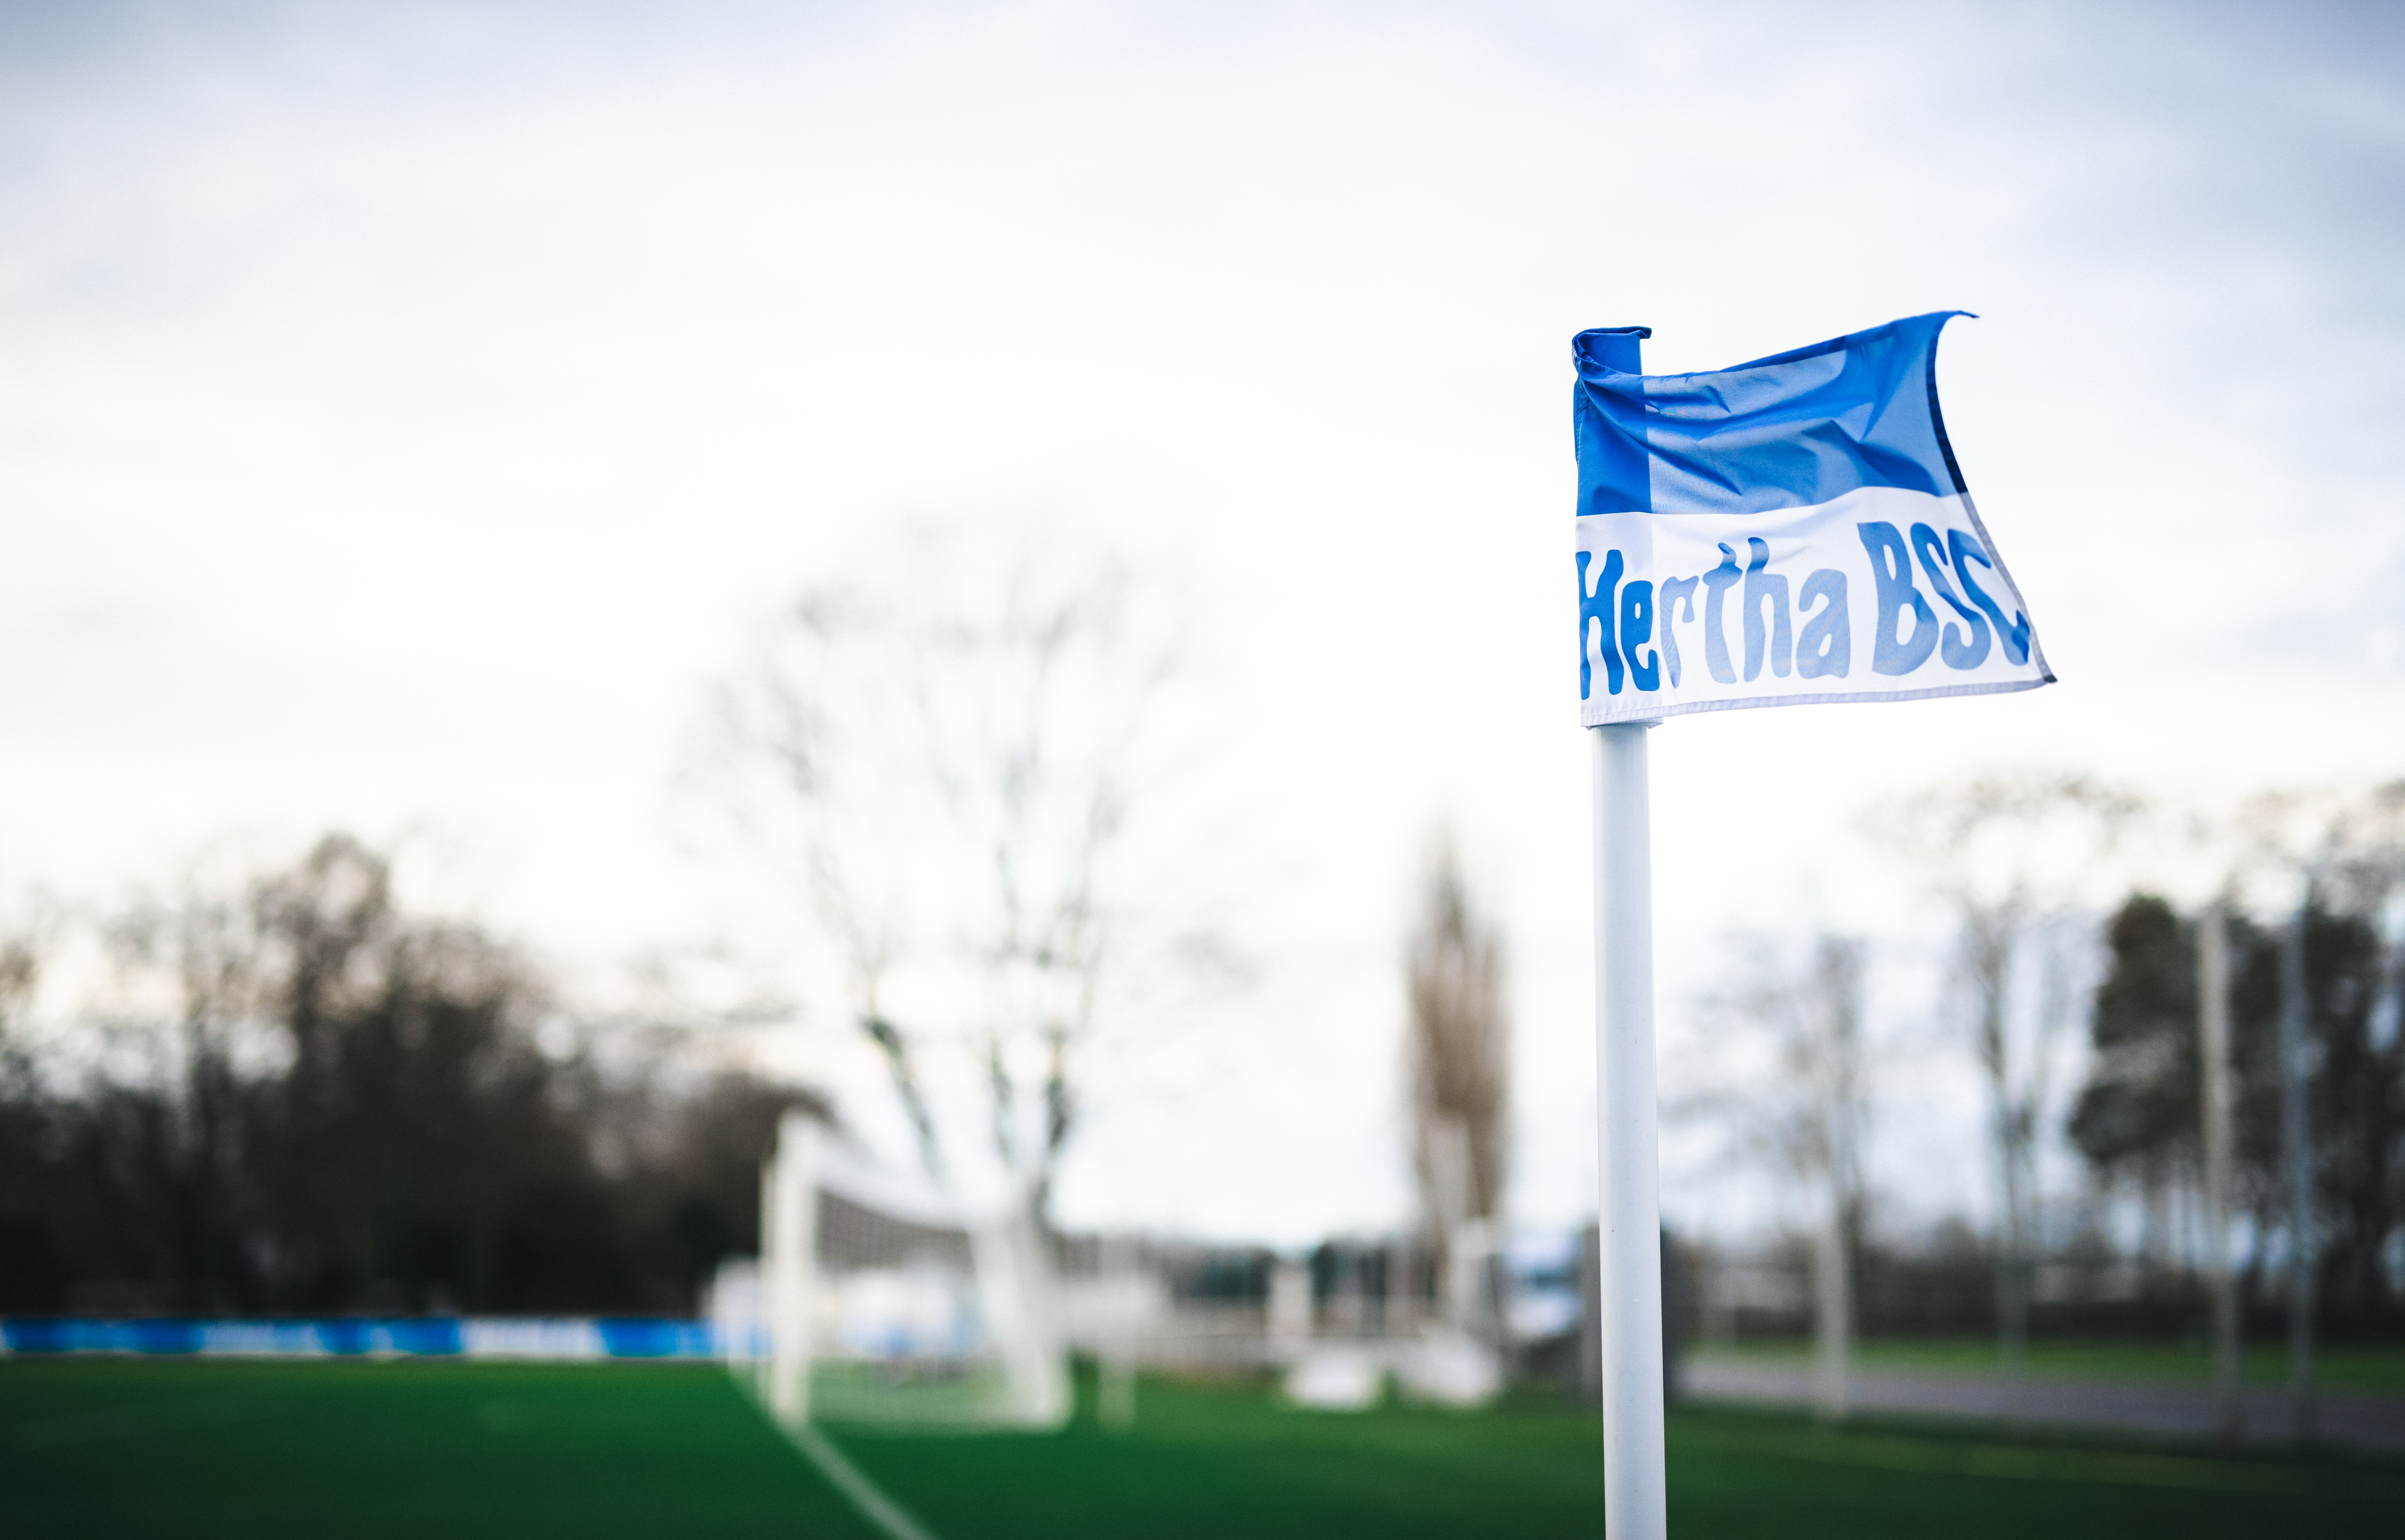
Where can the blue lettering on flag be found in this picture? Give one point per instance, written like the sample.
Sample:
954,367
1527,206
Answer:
1901,648
1717,582
1828,649
2015,637
1595,609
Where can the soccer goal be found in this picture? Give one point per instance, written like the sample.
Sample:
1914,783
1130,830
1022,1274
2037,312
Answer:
880,1298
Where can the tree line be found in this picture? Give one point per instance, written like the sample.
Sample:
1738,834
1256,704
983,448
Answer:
320,1100
2058,932
310,1098
2136,1118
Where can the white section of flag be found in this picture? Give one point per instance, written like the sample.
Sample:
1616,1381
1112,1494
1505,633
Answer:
1961,651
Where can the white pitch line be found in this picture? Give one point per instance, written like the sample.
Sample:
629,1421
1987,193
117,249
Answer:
874,1505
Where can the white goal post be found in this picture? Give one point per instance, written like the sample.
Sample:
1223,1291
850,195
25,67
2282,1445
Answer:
880,1299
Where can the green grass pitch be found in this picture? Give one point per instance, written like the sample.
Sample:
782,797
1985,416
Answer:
457,1451
2375,1366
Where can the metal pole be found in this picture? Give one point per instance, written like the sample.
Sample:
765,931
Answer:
1832,1312
1837,1076
2213,1048
1631,1219
2297,1138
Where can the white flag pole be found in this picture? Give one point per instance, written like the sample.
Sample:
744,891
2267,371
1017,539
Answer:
1630,1275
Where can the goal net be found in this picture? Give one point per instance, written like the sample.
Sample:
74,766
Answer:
880,1299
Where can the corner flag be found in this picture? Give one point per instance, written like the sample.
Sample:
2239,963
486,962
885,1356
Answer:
1814,494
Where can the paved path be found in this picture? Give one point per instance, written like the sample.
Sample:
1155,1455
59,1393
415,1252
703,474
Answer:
2355,1421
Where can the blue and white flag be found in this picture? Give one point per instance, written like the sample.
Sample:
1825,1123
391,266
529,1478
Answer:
1789,531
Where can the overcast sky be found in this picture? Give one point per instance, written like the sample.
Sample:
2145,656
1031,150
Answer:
406,412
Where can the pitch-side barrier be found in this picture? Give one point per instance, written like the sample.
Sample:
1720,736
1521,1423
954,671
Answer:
543,1340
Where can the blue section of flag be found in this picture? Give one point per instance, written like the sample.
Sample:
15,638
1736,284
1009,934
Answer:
1792,430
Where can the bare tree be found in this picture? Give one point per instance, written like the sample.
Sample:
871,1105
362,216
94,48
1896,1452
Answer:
21,970
2348,844
946,750
2016,857
1783,1074
207,944
2348,841
1459,1046
22,951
